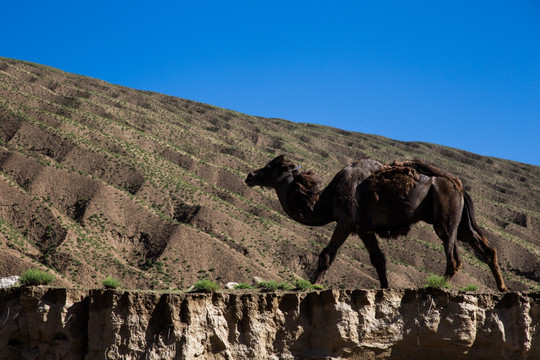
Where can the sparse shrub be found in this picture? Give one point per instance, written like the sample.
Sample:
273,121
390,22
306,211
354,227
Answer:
111,283
437,282
535,288
469,288
274,285
268,285
303,284
243,286
285,286
204,286
34,277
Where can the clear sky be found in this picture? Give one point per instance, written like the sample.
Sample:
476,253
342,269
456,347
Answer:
464,74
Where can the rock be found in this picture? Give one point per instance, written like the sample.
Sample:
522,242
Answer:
256,281
9,281
231,285
360,324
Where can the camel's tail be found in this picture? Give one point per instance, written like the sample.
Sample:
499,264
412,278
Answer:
470,232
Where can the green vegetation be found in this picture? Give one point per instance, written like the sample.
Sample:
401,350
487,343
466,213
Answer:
299,285
272,285
469,288
535,288
111,283
303,284
243,286
268,285
437,282
205,285
33,277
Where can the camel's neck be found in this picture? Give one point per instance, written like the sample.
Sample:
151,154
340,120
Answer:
310,208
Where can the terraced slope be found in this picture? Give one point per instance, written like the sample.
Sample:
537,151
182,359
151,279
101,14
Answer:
98,179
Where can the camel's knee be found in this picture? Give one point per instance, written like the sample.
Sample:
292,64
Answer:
490,254
486,253
452,268
457,258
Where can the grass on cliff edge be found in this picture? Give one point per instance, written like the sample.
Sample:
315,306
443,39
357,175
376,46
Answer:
437,282
298,285
33,277
469,288
206,286
111,283
209,286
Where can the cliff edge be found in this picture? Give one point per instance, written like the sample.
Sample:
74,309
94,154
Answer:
49,323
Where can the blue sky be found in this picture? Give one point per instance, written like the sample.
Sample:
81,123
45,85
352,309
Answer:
464,74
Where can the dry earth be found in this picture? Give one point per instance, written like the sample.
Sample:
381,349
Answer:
98,179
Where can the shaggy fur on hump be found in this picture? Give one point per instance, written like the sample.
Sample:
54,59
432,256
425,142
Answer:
392,182
430,170
395,180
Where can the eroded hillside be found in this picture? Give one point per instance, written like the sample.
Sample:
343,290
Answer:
98,179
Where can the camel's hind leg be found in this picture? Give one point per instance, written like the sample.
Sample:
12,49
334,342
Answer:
447,209
470,233
485,253
448,236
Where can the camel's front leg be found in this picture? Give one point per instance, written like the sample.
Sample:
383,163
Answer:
328,255
376,256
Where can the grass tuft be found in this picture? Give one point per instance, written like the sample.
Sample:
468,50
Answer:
303,284
437,282
272,285
207,286
469,288
33,277
111,283
243,286
298,285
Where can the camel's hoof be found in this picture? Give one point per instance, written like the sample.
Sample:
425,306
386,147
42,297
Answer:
316,278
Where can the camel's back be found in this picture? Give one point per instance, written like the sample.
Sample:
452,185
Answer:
347,180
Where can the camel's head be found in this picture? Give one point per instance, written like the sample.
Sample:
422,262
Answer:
272,173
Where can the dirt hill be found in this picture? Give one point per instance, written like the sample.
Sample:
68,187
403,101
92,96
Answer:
98,179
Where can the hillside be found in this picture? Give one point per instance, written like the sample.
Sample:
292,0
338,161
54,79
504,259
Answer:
99,179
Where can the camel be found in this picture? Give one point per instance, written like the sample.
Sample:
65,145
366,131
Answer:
369,198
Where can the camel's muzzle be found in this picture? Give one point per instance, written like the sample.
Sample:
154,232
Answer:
250,180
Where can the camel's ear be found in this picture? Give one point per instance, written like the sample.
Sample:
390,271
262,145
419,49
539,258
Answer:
278,160
282,163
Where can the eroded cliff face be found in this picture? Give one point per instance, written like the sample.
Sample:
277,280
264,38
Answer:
42,323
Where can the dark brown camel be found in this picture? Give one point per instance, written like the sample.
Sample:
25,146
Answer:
368,198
